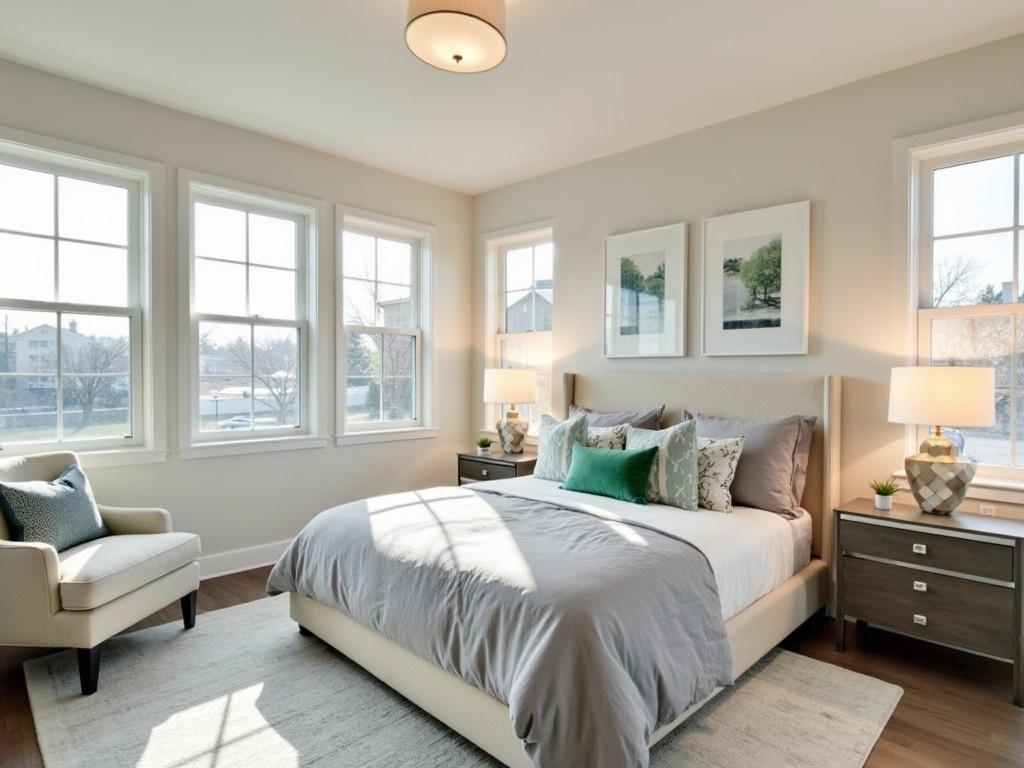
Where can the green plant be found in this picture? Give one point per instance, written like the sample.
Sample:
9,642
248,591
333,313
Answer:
884,487
483,442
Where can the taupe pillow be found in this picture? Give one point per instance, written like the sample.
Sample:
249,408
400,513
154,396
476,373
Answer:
640,419
772,469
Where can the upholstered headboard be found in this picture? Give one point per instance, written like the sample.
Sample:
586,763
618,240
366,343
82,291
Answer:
738,396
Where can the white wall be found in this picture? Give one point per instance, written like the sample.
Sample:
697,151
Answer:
835,149
247,501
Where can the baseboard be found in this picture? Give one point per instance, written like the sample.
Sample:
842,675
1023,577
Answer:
235,560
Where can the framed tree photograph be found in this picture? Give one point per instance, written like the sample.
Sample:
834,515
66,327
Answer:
755,286
645,293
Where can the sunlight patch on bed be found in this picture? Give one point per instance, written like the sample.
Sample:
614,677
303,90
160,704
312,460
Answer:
626,532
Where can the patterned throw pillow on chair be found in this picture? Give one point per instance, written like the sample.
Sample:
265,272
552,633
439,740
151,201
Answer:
673,478
61,513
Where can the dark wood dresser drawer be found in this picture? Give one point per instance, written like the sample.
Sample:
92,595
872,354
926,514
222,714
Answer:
470,470
976,558
945,609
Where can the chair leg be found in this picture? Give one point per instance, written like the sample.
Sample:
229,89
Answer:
188,608
89,669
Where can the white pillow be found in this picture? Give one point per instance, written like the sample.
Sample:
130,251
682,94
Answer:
716,468
613,438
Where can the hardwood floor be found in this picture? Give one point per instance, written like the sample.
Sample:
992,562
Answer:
955,711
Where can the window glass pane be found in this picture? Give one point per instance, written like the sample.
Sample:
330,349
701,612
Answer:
96,407
973,196
362,388
358,255
272,292
973,341
28,408
399,378
26,200
219,232
990,445
394,262
272,241
95,344
224,349
518,311
394,306
225,403
26,267
359,303
220,288
28,342
91,211
531,351
544,265
518,269
93,274
276,373
973,270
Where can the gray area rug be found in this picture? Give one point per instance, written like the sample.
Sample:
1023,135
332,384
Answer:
245,689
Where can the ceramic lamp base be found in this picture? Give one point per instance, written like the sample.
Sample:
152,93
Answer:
939,475
512,434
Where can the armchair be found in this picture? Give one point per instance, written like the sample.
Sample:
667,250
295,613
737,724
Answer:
86,594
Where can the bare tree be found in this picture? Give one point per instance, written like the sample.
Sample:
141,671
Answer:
92,355
953,282
276,384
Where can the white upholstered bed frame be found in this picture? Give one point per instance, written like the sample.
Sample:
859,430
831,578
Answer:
752,632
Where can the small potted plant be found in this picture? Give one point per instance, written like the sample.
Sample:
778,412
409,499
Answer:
483,445
884,491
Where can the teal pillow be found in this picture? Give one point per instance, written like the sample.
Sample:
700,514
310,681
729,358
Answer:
617,473
673,478
61,513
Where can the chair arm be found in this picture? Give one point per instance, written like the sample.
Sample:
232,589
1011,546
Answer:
124,520
29,591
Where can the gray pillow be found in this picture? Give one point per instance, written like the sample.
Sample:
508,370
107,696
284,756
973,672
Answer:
61,513
641,419
772,469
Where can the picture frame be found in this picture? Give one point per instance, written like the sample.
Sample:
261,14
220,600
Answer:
756,281
645,293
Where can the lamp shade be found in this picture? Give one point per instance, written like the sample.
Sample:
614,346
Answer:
510,385
937,395
457,35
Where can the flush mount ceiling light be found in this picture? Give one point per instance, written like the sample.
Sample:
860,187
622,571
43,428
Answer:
457,35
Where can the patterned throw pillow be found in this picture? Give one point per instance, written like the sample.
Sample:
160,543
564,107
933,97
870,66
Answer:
609,438
554,446
673,478
716,467
61,513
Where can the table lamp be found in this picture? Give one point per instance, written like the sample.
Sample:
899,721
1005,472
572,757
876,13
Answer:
512,386
932,396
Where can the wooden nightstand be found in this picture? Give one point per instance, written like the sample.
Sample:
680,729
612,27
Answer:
954,580
498,466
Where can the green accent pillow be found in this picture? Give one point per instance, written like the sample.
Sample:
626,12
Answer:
673,478
61,513
620,474
554,445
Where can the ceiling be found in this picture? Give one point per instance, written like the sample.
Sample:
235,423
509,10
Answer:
583,78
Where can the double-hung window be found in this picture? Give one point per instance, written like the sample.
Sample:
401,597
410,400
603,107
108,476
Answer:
251,260
72,236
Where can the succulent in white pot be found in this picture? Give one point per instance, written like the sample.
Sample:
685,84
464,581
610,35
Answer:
884,491
483,445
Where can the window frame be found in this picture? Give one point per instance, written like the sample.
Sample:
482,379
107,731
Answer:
422,238
195,187
143,182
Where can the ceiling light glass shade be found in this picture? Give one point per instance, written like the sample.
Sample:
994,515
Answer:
457,35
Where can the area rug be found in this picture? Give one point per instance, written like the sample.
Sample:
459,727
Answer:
244,689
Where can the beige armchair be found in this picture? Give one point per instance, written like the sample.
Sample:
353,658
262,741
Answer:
80,597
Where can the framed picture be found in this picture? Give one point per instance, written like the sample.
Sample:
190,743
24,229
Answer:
645,293
755,286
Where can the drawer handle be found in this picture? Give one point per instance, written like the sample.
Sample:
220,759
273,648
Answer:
920,620
920,586
485,472
920,549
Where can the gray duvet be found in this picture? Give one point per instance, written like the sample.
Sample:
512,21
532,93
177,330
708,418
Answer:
593,633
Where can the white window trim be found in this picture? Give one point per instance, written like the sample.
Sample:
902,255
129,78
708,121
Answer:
149,367
496,243
196,445
913,157
424,427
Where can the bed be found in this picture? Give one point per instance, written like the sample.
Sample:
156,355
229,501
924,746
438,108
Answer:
770,573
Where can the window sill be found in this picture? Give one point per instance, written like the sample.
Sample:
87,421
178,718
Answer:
387,435
257,445
1005,490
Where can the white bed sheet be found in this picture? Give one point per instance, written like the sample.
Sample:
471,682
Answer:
751,551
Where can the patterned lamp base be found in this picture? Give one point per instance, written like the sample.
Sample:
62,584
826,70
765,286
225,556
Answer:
511,434
939,476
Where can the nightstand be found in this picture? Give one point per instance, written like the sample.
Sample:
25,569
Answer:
498,466
955,581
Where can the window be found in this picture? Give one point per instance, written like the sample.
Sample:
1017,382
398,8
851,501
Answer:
384,318
971,302
523,270
72,237
252,273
